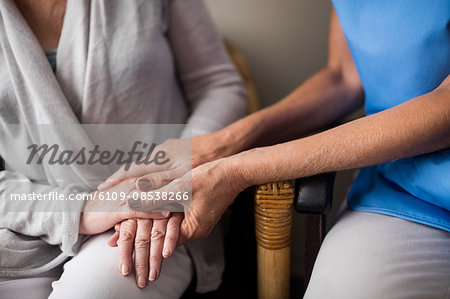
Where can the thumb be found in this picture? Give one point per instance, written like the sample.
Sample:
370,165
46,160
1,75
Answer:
154,181
145,206
113,239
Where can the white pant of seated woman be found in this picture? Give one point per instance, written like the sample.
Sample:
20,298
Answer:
94,273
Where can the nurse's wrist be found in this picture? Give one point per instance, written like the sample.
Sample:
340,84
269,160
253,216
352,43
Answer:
213,146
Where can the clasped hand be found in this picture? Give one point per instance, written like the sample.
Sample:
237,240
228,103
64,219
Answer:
152,239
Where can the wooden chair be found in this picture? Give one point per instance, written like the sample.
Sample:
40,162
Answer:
273,205
241,65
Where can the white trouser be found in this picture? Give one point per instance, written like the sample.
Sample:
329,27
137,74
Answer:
367,255
93,273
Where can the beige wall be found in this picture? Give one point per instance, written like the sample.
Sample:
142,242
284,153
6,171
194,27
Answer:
284,42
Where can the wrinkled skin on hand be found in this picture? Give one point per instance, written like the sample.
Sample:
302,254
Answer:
183,156
99,216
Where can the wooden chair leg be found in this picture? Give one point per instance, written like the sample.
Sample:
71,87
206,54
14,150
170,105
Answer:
273,221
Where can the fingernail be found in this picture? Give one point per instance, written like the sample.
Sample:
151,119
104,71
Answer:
101,186
166,253
152,276
144,184
125,270
134,203
165,213
142,282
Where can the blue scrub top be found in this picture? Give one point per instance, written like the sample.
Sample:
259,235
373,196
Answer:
401,50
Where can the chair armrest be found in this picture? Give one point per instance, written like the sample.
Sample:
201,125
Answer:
314,195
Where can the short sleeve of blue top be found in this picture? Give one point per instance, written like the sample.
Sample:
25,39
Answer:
401,50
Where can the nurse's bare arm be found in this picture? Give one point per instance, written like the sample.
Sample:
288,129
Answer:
418,126
326,97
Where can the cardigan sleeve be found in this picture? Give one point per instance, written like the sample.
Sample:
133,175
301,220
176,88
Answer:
213,88
48,220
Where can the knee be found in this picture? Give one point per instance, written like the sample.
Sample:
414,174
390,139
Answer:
346,267
361,258
94,280
93,273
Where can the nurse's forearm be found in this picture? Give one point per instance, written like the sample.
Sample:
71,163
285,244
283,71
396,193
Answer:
320,101
418,126
323,99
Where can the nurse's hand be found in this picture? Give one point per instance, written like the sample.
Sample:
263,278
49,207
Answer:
151,240
213,186
183,155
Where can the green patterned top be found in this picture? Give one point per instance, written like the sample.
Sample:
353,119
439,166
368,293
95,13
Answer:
51,56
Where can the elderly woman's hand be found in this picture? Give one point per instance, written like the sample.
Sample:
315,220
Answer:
99,215
151,240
